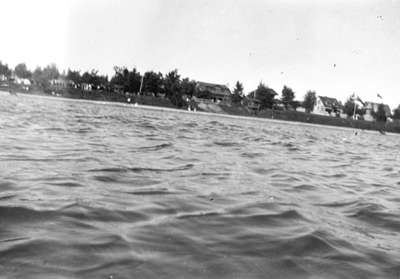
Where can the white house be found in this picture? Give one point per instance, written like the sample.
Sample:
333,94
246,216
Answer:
327,106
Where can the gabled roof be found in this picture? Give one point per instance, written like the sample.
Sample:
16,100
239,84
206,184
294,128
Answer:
329,102
215,89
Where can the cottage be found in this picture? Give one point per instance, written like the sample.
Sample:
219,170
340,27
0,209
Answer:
326,106
253,104
87,86
216,92
62,83
371,108
23,83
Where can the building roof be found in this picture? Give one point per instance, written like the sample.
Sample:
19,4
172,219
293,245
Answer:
329,102
219,90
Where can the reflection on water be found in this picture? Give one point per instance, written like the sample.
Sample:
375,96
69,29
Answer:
111,191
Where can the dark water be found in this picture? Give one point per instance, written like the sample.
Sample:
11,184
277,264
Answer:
93,190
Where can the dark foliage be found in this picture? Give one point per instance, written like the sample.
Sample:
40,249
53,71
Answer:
396,113
74,76
348,108
265,95
172,86
309,101
380,114
287,97
22,71
188,87
5,70
130,80
153,82
237,95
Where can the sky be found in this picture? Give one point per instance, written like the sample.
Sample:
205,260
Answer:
334,47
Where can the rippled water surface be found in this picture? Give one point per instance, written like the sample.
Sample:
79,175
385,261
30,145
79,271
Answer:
92,190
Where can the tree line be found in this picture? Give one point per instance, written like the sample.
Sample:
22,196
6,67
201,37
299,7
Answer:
174,87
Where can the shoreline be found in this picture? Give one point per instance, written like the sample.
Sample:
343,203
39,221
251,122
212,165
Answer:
177,110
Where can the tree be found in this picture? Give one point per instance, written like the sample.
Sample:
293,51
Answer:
5,70
37,76
43,76
295,104
74,76
188,87
153,82
22,71
380,114
50,72
172,85
349,105
93,78
287,96
237,95
134,80
120,77
130,80
309,101
265,95
396,113
86,77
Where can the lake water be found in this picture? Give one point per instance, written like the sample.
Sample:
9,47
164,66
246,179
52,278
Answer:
93,190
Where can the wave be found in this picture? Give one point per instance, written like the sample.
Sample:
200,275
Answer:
378,219
142,169
89,214
152,148
18,214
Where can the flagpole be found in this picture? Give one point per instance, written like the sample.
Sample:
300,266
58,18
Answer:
354,112
141,85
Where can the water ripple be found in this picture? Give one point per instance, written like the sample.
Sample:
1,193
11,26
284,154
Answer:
105,190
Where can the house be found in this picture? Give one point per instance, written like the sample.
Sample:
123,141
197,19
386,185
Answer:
371,108
87,86
61,83
253,104
24,83
327,105
216,92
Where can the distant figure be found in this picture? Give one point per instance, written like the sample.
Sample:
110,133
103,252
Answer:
382,132
334,65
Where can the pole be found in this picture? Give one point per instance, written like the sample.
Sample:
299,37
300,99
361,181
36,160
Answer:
141,85
354,112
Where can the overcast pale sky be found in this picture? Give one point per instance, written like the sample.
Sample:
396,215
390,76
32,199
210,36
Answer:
335,47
